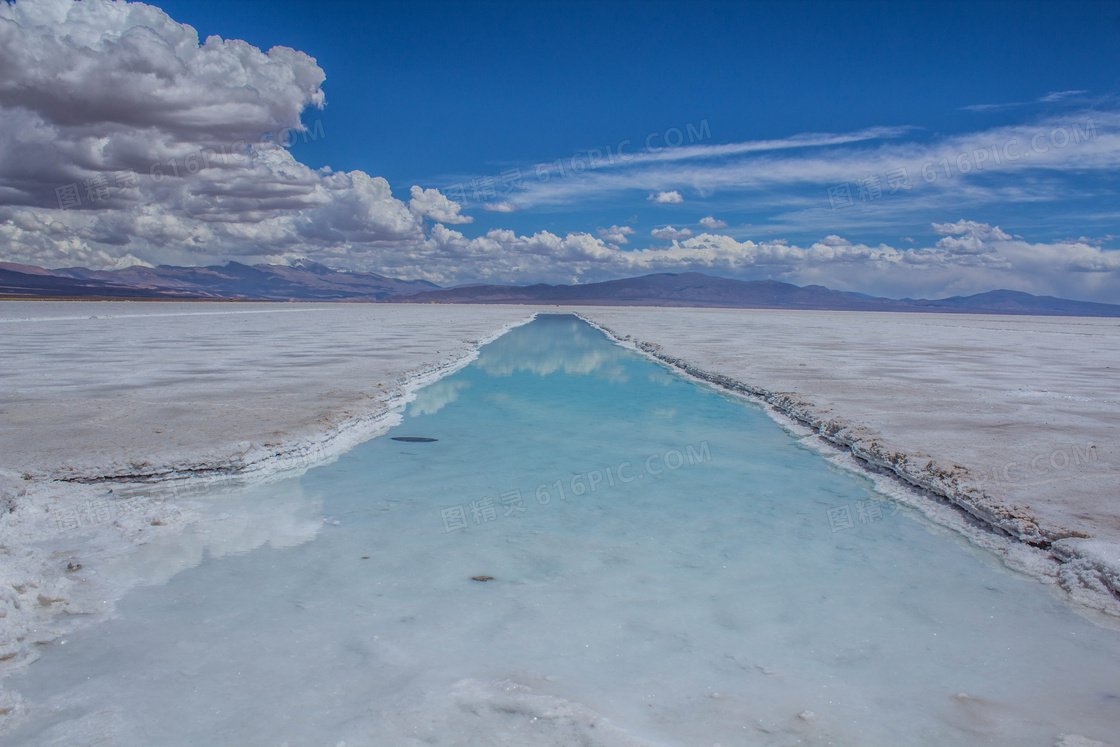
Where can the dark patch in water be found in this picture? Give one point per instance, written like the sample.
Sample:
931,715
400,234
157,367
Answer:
414,439
482,578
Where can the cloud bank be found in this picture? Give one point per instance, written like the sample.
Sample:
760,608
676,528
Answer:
126,139
970,257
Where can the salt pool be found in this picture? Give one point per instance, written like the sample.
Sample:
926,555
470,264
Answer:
667,566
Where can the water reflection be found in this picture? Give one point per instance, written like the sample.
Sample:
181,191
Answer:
566,344
279,513
434,397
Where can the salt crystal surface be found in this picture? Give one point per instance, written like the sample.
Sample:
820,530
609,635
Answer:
732,584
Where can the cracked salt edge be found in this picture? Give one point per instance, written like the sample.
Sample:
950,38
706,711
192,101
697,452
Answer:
32,581
1086,569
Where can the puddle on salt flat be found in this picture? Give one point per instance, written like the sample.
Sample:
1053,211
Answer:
698,594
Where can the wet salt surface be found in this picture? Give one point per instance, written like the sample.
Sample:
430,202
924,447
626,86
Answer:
723,583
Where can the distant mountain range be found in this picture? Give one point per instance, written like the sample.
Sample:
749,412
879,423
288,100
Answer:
310,281
302,281
699,290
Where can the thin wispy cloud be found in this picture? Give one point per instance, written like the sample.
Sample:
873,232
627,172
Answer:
805,140
1081,142
1050,98
1059,95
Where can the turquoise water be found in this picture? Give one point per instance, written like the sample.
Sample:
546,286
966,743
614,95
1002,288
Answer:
668,566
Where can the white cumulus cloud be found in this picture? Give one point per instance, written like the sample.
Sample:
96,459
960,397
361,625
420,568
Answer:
1077,269
668,232
711,223
431,203
665,198
123,138
616,234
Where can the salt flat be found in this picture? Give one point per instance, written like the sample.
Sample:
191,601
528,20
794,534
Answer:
1023,408
144,389
148,392
683,607
1016,419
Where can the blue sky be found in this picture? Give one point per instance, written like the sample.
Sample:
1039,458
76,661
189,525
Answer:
893,148
439,93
